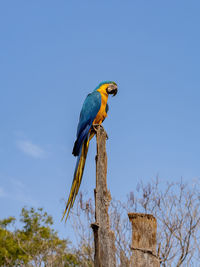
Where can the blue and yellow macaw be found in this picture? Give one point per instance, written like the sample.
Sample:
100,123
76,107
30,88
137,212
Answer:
94,112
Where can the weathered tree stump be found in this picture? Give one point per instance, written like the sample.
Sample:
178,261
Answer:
104,238
144,228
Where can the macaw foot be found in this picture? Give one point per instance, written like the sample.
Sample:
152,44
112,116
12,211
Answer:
95,126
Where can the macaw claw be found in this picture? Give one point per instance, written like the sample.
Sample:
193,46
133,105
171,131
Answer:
95,126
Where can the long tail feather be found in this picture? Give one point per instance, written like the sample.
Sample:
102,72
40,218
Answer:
78,173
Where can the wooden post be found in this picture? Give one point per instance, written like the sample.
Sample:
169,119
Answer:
144,228
104,238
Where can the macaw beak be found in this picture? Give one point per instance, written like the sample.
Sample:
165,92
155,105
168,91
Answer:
112,90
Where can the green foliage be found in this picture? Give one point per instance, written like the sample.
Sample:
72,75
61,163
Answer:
10,252
36,244
4,223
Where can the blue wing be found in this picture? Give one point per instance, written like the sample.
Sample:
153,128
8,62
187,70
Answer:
91,107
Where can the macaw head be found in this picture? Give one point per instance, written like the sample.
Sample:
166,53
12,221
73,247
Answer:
108,87
112,88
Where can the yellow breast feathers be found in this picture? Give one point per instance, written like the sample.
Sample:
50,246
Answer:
101,115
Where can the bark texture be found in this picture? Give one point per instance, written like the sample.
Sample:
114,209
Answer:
144,228
104,238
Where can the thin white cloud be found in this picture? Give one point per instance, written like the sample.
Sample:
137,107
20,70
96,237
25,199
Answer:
2,192
17,184
17,191
21,193
31,149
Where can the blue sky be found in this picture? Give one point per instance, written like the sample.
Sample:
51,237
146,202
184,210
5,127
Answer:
53,53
